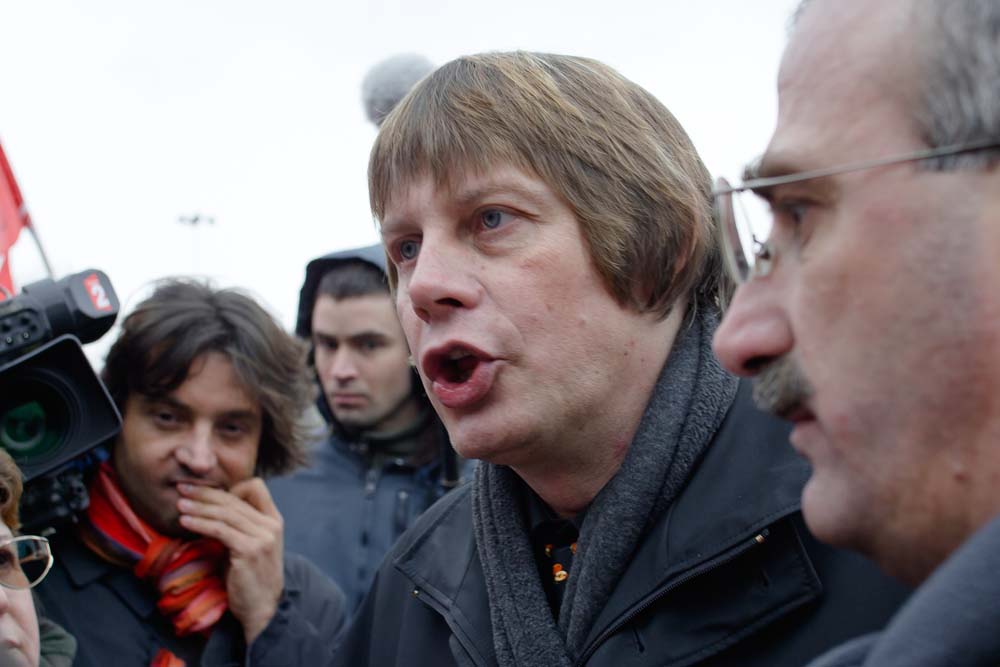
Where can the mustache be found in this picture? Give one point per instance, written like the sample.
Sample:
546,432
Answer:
781,387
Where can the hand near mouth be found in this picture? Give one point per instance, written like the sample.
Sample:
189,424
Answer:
246,521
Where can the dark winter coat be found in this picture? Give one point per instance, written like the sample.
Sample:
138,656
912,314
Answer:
344,511
114,618
727,576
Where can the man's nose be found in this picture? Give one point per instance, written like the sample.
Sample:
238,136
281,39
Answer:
754,331
343,367
197,452
442,280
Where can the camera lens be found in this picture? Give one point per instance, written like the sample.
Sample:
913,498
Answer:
33,427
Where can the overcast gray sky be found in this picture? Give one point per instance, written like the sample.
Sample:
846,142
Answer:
119,116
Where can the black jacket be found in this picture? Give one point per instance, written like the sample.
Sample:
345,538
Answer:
345,510
727,576
114,618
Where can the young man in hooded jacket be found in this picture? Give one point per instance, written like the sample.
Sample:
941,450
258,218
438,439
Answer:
384,456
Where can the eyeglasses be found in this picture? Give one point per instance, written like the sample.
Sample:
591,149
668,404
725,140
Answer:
746,218
24,561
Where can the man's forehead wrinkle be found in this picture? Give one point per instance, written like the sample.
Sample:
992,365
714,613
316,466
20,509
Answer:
847,69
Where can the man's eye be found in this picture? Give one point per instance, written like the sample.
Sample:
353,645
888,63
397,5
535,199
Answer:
791,213
408,249
164,418
233,430
493,218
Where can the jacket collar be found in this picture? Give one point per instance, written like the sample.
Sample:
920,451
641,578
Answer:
85,568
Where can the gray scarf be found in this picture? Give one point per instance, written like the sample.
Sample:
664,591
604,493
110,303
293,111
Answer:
689,402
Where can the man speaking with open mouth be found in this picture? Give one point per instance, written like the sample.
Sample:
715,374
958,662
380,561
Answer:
553,253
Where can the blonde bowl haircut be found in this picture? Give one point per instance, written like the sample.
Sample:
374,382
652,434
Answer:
611,150
10,491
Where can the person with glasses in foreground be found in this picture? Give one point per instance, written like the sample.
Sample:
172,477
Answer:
24,562
867,240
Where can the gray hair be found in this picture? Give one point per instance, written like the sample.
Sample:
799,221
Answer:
960,89
959,96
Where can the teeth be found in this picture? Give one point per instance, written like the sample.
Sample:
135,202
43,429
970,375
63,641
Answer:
457,353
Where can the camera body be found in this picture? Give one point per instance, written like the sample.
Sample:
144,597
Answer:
54,410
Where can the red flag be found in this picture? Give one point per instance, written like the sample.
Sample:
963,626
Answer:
13,216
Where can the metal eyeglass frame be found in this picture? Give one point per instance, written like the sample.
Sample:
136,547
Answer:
48,565
763,253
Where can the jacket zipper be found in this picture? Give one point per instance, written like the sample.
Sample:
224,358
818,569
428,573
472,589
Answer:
704,568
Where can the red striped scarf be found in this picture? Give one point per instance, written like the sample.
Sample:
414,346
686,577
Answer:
187,574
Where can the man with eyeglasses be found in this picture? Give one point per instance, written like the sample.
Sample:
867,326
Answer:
868,242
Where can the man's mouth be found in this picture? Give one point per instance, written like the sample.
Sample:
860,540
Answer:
349,400
460,375
797,414
194,482
805,428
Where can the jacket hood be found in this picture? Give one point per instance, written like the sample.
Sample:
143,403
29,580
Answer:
317,268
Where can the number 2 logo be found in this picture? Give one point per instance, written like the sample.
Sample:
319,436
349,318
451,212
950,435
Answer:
98,296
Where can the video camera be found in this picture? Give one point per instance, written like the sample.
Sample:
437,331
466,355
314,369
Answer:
54,410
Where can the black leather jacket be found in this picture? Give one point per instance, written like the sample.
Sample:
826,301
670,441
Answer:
727,576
